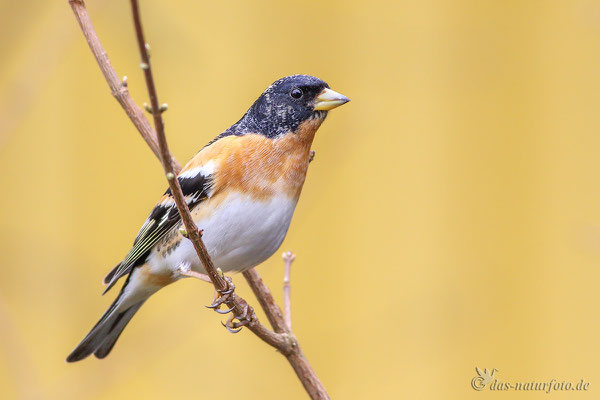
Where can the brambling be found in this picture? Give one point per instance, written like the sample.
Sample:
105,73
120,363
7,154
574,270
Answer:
241,188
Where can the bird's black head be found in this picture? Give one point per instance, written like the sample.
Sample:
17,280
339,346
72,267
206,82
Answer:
286,104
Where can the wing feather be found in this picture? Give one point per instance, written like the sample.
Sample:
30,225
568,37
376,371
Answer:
196,184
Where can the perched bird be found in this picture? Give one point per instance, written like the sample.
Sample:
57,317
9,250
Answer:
241,188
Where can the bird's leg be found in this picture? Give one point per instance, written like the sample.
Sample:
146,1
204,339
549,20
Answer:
185,269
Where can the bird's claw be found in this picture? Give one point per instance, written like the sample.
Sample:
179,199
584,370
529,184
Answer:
225,296
231,330
226,292
242,320
227,311
217,302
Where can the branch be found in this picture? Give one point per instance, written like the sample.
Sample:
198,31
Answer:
241,309
283,339
297,360
165,156
118,88
266,300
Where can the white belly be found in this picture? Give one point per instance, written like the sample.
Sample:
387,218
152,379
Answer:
239,234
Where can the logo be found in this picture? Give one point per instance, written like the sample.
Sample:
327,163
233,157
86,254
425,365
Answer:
484,377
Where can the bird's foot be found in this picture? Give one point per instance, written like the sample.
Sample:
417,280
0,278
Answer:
225,296
247,316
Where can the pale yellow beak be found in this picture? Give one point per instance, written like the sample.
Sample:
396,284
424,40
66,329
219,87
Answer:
329,99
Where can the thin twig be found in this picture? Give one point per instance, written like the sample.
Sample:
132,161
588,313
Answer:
288,259
266,300
283,340
118,88
192,233
297,360
165,156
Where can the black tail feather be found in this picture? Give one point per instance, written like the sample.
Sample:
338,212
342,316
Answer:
116,330
105,333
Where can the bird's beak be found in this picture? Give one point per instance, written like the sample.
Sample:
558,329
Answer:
329,99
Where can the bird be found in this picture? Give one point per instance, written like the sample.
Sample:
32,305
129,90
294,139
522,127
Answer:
241,188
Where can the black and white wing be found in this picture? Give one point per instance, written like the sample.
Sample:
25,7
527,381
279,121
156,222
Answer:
196,182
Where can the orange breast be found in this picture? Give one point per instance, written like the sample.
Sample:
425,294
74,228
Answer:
263,167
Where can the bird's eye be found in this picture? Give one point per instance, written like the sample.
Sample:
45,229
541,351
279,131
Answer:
296,93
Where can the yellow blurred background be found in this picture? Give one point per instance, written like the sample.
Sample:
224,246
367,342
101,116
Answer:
451,218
